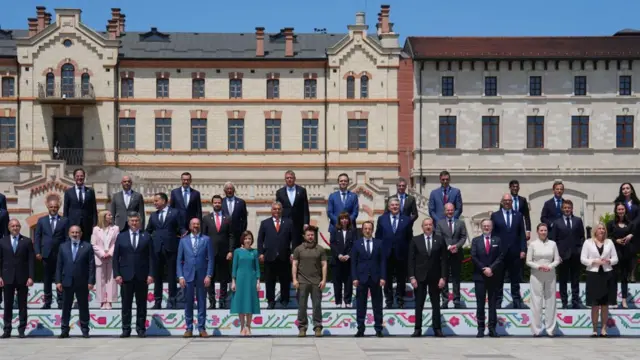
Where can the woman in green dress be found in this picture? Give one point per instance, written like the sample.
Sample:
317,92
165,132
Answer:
245,283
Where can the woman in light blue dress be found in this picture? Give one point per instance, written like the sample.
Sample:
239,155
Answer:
245,283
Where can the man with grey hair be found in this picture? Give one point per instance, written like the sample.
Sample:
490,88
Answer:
126,201
295,206
235,209
454,233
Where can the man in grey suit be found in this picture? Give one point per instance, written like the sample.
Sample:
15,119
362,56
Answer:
454,232
126,201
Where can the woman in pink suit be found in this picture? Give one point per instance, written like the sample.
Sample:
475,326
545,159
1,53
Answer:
103,240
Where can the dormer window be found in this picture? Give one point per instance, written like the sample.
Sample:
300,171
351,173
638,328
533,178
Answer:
155,36
6,34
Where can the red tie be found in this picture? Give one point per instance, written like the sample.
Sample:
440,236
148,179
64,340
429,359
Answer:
278,225
218,222
445,198
487,244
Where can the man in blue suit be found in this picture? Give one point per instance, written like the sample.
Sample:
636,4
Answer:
442,195
76,274
166,228
134,269
51,232
187,200
487,254
342,200
509,227
368,271
395,231
195,269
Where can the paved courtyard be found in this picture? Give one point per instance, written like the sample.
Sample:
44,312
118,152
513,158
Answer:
336,348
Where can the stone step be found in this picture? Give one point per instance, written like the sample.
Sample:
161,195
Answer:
335,322
467,294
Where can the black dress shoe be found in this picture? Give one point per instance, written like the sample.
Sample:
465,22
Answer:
85,334
21,334
142,334
46,307
156,306
6,335
170,305
480,334
438,333
458,306
64,335
60,306
222,305
379,334
271,305
212,306
125,334
401,305
285,304
360,333
493,333
389,306
444,306
416,333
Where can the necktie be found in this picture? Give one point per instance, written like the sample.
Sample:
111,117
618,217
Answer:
429,244
277,225
451,225
369,247
15,244
52,222
558,202
487,244
161,217
402,201
218,222
75,250
445,197
195,245
568,223
185,197
344,198
127,199
515,203
135,240
395,223
292,196
230,204
81,195
509,219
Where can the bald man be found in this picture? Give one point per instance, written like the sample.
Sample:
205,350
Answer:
509,227
126,201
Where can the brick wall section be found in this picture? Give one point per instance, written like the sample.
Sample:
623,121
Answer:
405,117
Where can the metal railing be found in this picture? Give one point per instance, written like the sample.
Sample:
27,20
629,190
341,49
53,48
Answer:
62,91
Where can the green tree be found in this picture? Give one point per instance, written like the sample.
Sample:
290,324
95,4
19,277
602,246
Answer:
606,217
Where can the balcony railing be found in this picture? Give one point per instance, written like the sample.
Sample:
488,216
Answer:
57,92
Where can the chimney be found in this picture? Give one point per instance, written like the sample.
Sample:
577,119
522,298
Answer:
384,24
360,18
379,23
115,16
47,19
259,41
112,29
122,20
33,26
288,36
41,11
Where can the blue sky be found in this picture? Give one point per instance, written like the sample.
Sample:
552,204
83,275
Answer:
412,17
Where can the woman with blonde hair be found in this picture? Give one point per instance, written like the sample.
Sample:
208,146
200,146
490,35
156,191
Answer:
103,240
245,282
599,256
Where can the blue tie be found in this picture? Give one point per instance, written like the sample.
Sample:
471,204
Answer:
75,250
395,223
558,202
15,244
195,246
344,198
509,219
515,203
185,196
402,202
369,247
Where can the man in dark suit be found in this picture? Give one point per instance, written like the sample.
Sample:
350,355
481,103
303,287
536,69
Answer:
126,201
51,231
520,205
76,274
395,231
368,271
3,202
187,200
508,226
341,242
218,228
275,237
295,206
408,204
236,209
80,205
133,270
487,254
340,201
568,233
166,228
4,230
427,272
442,195
17,270
552,208
454,234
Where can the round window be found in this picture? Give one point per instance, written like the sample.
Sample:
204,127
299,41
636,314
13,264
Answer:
67,43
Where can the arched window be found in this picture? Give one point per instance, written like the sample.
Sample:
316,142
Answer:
51,84
67,82
85,80
351,87
364,87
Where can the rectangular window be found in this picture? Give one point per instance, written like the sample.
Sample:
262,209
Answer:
624,131
198,134
490,132
357,133
236,134
127,133
126,88
580,86
447,128
310,134
7,133
625,85
535,132
535,85
447,86
197,88
8,86
163,134
273,89
272,134
490,86
235,88
310,88
580,132
351,87
162,88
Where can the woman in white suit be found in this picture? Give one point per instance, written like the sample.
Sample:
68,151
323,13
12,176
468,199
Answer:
543,258
599,256
103,240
